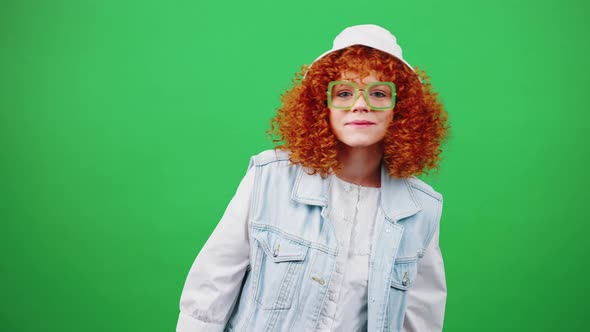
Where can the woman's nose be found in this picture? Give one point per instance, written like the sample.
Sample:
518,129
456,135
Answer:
360,105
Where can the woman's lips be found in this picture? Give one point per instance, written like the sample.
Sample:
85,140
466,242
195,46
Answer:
360,123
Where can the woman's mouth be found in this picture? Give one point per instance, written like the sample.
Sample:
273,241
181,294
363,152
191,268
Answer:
360,123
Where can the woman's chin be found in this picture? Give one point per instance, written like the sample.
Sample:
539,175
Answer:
360,144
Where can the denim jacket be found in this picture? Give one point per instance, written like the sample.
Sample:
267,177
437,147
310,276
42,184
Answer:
293,248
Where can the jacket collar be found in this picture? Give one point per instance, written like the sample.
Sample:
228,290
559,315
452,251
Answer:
397,197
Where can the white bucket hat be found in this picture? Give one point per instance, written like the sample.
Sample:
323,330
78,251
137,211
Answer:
368,35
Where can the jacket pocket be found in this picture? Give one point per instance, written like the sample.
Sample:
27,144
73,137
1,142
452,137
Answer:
277,269
404,273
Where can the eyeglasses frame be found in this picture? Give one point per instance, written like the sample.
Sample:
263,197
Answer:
366,93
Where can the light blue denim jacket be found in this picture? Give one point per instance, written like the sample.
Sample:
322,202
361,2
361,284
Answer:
293,248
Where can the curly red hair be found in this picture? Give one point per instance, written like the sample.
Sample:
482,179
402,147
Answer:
412,145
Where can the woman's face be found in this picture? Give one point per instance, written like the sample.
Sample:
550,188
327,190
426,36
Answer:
360,126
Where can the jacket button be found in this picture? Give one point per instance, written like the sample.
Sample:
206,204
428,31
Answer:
319,280
405,279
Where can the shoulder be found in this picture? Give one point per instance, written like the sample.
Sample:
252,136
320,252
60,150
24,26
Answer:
269,156
421,188
431,205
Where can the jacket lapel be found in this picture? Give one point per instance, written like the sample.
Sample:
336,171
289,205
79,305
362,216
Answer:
311,189
397,199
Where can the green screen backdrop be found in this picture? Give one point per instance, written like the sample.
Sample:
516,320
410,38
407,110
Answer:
123,138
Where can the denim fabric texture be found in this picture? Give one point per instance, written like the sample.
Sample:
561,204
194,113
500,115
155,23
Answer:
293,248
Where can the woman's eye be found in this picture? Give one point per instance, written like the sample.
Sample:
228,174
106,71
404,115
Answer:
344,94
378,94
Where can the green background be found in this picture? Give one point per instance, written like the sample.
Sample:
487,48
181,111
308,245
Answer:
126,126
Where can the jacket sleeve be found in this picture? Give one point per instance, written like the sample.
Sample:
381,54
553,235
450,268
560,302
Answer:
427,297
215,278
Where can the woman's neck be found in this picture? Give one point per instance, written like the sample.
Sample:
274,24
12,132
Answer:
361,166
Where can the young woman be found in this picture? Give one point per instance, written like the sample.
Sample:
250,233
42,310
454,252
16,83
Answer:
331,231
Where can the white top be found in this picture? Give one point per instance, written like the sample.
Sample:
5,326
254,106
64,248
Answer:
352,212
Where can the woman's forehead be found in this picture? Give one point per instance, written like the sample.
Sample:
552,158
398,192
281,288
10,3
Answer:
360,78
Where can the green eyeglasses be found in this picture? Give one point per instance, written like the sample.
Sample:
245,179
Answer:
378,95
